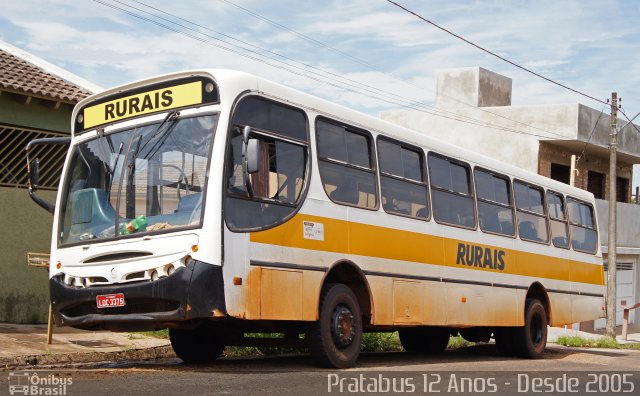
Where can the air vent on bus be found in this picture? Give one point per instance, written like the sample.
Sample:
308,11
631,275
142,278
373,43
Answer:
116,256
136,275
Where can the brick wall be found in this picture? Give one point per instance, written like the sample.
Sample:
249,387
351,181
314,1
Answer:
550,153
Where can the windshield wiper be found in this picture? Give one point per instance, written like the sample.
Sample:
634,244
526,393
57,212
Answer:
113,171
130,194
169,119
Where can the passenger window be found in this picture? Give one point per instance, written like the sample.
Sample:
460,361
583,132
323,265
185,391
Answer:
404,190
451,191
557,220
271,116
532,220
529,198
358,150
495,209
346,164
278,184
584,235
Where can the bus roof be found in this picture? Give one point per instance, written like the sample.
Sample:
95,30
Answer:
232,83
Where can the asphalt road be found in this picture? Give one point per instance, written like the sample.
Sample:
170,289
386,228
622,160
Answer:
474,370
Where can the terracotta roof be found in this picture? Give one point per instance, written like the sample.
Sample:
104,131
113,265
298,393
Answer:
20,76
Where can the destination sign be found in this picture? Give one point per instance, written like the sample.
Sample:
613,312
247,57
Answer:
138,102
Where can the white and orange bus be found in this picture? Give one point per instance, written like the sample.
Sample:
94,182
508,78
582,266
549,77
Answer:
218,204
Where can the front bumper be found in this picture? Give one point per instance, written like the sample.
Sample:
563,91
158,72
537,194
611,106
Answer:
192,292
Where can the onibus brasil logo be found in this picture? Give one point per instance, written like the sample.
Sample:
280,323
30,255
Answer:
31,383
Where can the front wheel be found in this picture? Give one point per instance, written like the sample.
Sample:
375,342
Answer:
531,340
334,340
197,345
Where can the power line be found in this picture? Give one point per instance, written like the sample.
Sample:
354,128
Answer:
371,66
630,121
584,150
368,88
494,54
301,35
338,76
240,53
355,84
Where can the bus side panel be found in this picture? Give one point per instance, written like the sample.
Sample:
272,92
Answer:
426,310
254,291
586,308
382,294
560,309
407,302
475,305
236,262
280,294
311,282
584,272
407,309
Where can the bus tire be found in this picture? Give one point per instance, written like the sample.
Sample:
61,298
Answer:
424,340
504,340
530,340
334,340
198,345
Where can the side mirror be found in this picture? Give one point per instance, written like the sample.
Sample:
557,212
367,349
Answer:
34,174
253,156
34,169
245,134
245,160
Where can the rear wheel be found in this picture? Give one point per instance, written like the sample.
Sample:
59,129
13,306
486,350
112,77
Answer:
197,345
424,340
531,340
334,340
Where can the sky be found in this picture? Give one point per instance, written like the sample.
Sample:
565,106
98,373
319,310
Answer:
365,54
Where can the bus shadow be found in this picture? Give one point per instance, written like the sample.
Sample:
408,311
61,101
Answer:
476,357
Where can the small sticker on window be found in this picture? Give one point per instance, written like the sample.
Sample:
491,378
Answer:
311,230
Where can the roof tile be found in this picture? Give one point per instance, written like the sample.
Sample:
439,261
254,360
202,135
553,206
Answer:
20,76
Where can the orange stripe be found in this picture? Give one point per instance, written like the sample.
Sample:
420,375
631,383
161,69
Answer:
389,243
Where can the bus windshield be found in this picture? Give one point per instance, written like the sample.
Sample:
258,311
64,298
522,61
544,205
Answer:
137,181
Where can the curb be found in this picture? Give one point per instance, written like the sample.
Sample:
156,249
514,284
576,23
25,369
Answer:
27,361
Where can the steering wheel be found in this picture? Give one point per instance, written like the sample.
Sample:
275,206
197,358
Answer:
183,178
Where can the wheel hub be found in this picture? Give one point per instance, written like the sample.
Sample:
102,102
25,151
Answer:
343,326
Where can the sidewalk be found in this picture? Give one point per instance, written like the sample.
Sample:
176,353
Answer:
633,335
23,345
26,345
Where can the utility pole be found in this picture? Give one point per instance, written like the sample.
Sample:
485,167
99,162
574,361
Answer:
611,255
572,170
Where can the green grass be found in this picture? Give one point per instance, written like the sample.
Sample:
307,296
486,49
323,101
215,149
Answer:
381,342
163,333
605,342
459,342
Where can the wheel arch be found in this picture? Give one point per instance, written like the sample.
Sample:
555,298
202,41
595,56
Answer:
537,291
349,274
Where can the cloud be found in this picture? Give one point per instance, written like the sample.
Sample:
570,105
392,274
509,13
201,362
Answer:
373,47
568,41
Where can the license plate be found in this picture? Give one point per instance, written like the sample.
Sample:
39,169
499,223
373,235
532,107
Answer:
110,300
